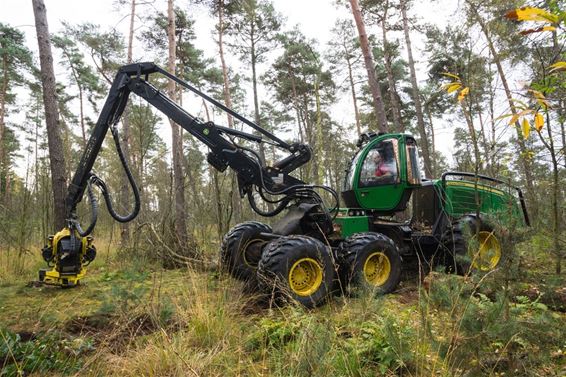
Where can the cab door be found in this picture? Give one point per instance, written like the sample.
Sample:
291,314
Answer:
379,179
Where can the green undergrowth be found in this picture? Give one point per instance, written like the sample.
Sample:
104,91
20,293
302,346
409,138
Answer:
134,318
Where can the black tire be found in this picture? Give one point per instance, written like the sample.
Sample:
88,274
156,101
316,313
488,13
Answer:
456,248
241,249
468,253
299,268
369,262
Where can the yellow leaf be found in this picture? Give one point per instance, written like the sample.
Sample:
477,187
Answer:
451,88
504,116
532,14
559,66
537,30
463,93
541,99
451,75
514,119
524,112
526,128
539,121
537,94
543,103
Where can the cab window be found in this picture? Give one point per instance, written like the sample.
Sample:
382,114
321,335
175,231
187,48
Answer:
380,165
413,171
351,174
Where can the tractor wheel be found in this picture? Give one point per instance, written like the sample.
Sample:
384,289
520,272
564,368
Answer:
297,267
369,261
241,249
472,250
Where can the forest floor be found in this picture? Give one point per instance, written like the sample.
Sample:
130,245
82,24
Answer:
133,318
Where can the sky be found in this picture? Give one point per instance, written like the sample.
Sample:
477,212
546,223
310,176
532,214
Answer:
315,19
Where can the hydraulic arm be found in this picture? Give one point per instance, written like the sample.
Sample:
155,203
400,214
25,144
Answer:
71,249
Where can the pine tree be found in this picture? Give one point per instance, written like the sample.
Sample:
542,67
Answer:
58,176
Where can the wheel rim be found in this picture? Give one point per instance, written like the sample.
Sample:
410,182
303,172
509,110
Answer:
305,276
377,269
488,254
251,252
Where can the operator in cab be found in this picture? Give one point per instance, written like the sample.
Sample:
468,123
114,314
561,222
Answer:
377,168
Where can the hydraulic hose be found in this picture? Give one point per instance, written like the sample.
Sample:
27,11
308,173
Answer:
95,180
94,212
103,188
282,205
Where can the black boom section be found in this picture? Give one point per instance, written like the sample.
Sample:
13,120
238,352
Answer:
251,170
110,114
224,150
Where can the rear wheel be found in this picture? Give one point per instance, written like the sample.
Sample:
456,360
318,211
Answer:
242,247
485,250
297,267
369,261
472,250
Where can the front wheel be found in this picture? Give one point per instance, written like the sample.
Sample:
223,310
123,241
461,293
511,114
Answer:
297,267
369,261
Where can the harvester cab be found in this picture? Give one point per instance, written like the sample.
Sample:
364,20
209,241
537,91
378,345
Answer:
383,174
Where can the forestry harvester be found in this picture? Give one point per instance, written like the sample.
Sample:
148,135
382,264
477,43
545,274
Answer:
312,249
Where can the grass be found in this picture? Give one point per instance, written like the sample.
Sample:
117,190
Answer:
137,319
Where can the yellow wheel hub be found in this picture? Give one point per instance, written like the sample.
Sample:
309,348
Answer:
305,276
377,269
488,254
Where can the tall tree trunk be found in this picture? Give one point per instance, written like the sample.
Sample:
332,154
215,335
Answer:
81,95
226,91
54,140
7,187
395,108
254,87
3,100
317,165
434,166
370,67
234,197
555,201
124,187
354,98
177,146
416,97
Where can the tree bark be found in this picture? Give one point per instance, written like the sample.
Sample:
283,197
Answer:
226,92
354,98
370,67
3,99
177,146
416,97
254,87
54,140
395,108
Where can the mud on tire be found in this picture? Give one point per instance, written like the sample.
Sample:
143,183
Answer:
297,268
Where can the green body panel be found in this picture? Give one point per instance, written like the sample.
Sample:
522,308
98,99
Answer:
352,224
460,199
385,197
